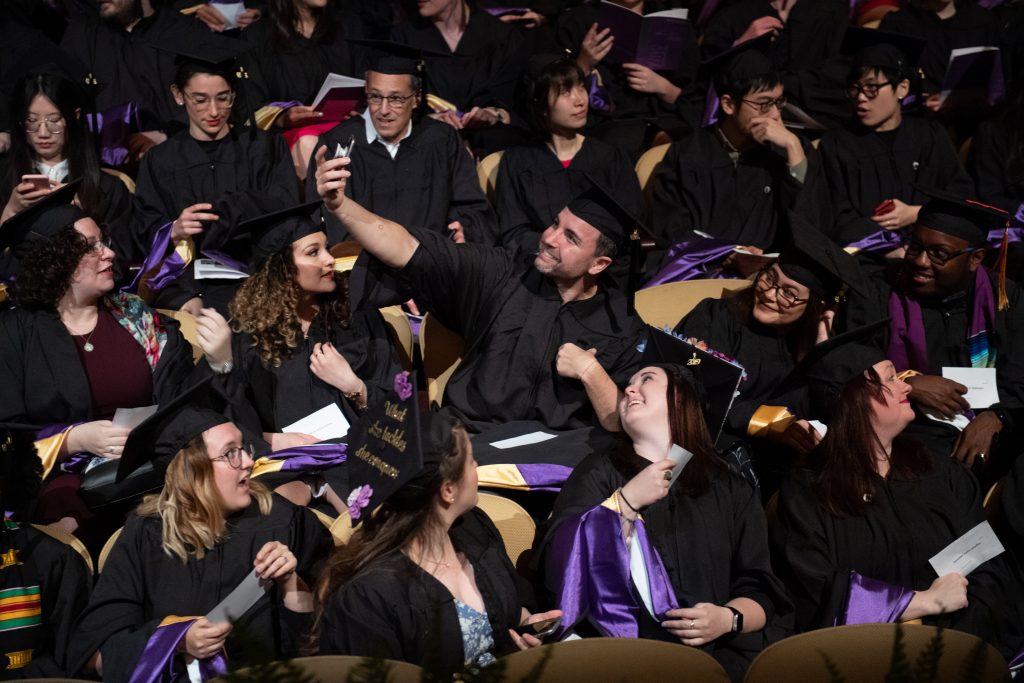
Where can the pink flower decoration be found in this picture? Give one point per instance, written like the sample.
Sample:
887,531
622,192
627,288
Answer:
358,499
403,387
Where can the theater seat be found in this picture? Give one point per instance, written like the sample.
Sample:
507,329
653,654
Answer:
664,305
63,536
341,529
487,173
442,352
646,163
333,668
107,547
401,334
515,525
187,322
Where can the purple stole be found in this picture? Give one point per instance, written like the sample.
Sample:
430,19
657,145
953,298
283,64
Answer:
592,571
873,602
691,261
882,241
157,661
113,127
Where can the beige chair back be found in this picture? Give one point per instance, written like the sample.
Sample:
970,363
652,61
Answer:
665,305
621,660
648,161
442,351
187,321
336,668
323,518
123,177
341,529
863,653
107,547
63,536
515,525
487,173
401,332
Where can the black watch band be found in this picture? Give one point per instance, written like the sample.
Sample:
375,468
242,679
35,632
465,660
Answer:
737,619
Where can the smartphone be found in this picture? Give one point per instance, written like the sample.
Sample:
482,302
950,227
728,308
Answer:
540,629
885,207
41,182
340,151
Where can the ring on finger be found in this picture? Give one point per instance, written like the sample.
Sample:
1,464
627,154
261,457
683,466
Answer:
693,625
668,474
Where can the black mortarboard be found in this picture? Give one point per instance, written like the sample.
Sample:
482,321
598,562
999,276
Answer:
386,449
537,63
743,62
598,206
42,221
175,423
714,378
214,55
871,48
969,220
828,366
272,232
389,57
58,62
818,263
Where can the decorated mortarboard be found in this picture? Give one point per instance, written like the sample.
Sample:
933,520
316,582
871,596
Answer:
817,262
745,61
42,221
385,447
882,49
174,424
716,377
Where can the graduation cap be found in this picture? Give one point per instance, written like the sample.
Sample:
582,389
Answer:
817,262
828,366
253,239
872,48
42,221
715,379
175,423
744,62
396,59
58,62
386,449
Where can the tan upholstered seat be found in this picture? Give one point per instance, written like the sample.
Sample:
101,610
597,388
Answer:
665,305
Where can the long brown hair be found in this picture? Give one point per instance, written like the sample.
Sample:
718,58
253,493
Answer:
845,458
689,429
802,336
267,307
406,516
189,505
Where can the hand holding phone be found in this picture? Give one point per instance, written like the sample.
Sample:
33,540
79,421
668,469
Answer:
340,151
884,208
540,629
39,181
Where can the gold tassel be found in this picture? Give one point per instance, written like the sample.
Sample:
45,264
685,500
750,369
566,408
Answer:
1004,301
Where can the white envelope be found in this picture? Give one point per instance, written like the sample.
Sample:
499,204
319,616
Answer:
982,391
130,418
230,11
523,440
968,552
680,456
238,601
326,423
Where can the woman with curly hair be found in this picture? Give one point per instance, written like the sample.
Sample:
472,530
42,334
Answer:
186,548
73,351
298,345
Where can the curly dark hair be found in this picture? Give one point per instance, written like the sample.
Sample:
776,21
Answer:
45,272
266,306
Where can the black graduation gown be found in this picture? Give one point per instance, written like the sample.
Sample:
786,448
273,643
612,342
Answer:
988,163
766,357
714,547
63,583
971,26
431,182
533,187
141,584
906,523
806,52
626,126
43,379
864,168
277,397
180,173
296,71
396,610
513,321
130,68
697,187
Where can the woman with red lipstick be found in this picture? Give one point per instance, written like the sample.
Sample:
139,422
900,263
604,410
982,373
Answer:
874,165
207,174
53,139
857,526
534,180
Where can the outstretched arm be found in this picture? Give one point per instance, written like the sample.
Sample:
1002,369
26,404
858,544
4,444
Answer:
388,241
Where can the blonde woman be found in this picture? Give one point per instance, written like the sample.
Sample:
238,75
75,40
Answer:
187,548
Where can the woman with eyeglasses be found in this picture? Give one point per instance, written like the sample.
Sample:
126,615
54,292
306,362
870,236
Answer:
768,329
74,351
53,140
184,550
876,164
205,175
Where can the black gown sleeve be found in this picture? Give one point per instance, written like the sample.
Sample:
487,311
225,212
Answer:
362,619
987,163
751,572
467,203
516,230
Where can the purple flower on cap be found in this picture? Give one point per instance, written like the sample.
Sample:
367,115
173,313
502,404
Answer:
358,499
402,386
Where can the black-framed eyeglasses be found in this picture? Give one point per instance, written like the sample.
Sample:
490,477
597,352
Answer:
870,90
785,296
54,125
393,100
937,255
235,456
224,100
765,106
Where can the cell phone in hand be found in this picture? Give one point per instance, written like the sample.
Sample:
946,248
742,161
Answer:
540,629
343,151
885,207
39,181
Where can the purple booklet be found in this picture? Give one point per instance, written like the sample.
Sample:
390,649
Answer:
974,77
657,40
338,96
